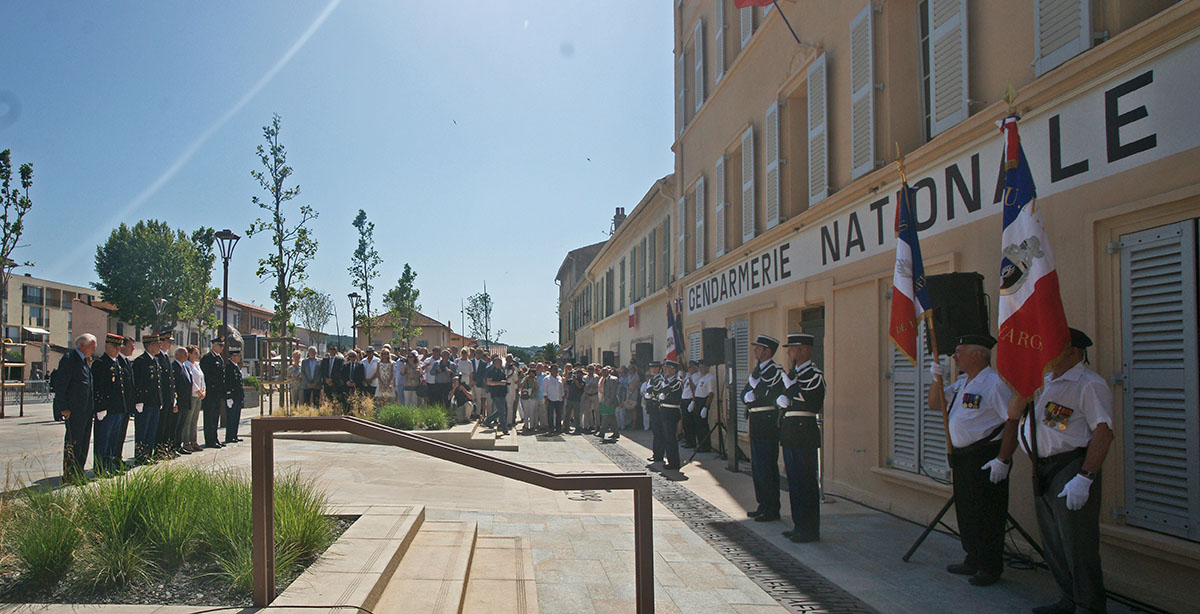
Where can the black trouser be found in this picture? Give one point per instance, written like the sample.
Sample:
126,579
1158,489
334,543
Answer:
656,448
685,419
804,490
764,467
168,429
668,423
213,407
981,507
310,396
1071,538
700,425
76,443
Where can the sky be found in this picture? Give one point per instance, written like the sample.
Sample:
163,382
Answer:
484,139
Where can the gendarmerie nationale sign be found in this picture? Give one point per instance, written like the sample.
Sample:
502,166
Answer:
1121,121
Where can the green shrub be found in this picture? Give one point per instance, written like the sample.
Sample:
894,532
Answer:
251,381
300,523
43,536
433,418
396,416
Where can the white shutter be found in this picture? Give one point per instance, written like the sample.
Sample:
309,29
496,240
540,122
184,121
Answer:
681,89
682,236
693,348
772,195
633,276
818,134
746,16
933,422
1158,335
947,63
699,239
1062,30
905,420
862,95
748,184
720,198
740,331
652,284
698,62
719,40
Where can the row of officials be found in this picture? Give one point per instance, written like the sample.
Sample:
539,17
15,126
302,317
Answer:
96,397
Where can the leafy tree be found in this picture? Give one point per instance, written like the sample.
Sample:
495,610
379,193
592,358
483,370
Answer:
401,303
364,267
521,354
314,309
150,260
479,317
292,244
16,204
548,352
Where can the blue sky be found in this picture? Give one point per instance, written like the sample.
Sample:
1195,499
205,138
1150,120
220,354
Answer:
462,128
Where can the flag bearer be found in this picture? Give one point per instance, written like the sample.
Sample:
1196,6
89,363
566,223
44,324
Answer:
670,401
802,403
763,387
652,387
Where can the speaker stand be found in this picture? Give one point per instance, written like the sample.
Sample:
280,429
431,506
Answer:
1011,524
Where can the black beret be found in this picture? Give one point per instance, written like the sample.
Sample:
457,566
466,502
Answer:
985,340
1080,339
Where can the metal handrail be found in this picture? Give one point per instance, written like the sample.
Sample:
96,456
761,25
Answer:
262,477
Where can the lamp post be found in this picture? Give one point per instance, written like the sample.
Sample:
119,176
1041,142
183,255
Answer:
354,298
159,304
226,240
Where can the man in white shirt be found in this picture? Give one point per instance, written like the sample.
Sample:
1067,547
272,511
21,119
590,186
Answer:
371,372
702,398
978,407
689,387
553,395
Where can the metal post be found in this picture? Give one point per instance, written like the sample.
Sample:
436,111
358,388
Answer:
262,504
225,302
643,547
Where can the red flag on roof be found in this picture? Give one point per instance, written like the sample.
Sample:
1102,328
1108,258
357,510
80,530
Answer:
741,4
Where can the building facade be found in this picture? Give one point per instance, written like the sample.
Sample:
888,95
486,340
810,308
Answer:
576,305
433,334
39,312
782,221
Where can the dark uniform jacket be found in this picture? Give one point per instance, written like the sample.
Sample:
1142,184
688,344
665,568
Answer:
654,386
127,373
73,390
183,385
146,375
762,414
806,390
108,384
213,368
671,392
167,382
233,383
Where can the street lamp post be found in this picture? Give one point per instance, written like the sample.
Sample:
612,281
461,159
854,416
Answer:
159,304
354,299
226,240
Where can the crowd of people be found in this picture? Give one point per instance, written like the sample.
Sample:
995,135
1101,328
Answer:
163,392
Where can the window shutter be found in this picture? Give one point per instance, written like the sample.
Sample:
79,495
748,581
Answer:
645,286
719,40
719,198
666,255
633,276
698,62
681,89
699,239
905,421
948,63
1159,339
748,184
651,260
933,427
772,196
818,134
682,251
740,331
746,16
862,95
1062,30
693,348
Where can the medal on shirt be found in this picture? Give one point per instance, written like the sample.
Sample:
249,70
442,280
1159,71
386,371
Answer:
971,401
1057,416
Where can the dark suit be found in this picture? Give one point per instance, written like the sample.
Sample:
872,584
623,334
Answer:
213,368
148,391
354,376
329,373
130,400
108,384
801,440
168,423
75,388
183,398
233,415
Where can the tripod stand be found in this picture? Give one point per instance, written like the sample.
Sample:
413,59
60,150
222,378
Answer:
720,425
1010,525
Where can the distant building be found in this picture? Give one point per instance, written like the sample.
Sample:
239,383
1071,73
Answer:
575,304
433,333
40,312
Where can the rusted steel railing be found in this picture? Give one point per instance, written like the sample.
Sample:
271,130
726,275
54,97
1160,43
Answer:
262,470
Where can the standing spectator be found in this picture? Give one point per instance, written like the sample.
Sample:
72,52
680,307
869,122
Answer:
168,419
108,385
479,365
310,378
513,376
460,399
353,380
385,388
591,399
295,378
465,368
552,396
609,386
706,387
182,385
370,365
689,391
529,392
497,382
198,392
410,378
216,396
126,359
331,375
574,385
443,378
146,375
633,409
237,395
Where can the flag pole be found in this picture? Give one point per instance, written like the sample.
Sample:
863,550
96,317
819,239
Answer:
788,24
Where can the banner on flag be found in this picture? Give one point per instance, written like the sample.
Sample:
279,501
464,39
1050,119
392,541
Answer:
1032,329
910,294
632,316
672,349
741,4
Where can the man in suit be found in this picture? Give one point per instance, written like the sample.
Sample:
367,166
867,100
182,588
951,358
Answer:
126,360
168,420
213,368
148,391
331,375
76,405
354,379
108,384
310,379
182,380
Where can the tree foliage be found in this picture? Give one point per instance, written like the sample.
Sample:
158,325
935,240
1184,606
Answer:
150,260
314,309
292,245
364,267
479,317
16,204
548,352
402,306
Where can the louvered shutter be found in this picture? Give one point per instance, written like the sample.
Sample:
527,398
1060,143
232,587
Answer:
818,134
666,256
645,288
633,276
681,90
682,237
1158,331
698,63
699,240
862,95
719,217
772,196
719,40
905,419
740,331
1062,30
947,63
746,16
748,184
651,260
933,423
693,348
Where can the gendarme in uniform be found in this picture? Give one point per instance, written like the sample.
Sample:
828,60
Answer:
802,403
763,387
653,387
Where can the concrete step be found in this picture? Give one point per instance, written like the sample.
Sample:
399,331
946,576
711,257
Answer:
484,438
432,576
501,579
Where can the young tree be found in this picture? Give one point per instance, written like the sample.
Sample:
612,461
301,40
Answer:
401,303
292,244
479,317
16,204
364,267
150,260
314,309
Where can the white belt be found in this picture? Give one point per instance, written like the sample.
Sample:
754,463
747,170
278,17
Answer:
799,414
665,405
758,409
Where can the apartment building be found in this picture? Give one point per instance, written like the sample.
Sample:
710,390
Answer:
576,304
39,312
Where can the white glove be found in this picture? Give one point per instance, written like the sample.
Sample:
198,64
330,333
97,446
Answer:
229,403
783,401
749,398
646,395
662,396
1076,491
137,407
691,407
936,370
703,413
753,381
998,468
100,415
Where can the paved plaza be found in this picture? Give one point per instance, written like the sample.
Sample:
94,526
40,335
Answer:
574,550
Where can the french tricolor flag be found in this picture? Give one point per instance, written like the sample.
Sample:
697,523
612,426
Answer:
1032,331
910,294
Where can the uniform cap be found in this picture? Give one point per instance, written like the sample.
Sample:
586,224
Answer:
985,340
165,334
1080,339
799,339
114,339
220,340
654,363
670,363
768,342
693,363
149,338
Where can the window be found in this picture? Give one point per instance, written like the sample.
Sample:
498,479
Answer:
666,251
38,317
772,195
740,331
621,288
700,240
862,95
719,208
633,277
609,284
748,184
32,295
70,320
943,32
682,251
642,287
719,40
693,348
1062,30
746,24
698,63
121,328
818,133
651,260
681,90
918,436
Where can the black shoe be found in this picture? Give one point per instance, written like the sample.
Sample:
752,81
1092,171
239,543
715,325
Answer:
789,533
670,467
767,517
754,514
1060,607
803,539
984,578
182,451
653,467
961,569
